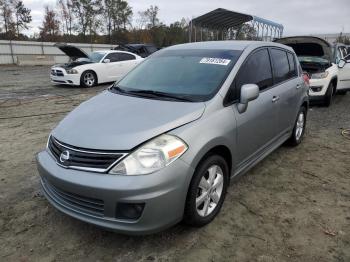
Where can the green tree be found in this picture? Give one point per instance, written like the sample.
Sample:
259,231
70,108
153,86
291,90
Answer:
22,16
118,15
87,13
6,14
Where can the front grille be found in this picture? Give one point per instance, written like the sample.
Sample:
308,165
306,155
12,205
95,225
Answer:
80,158
56,72
87,205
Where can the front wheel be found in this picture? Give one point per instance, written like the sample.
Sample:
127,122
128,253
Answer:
207,191
88,79
299,128
329,95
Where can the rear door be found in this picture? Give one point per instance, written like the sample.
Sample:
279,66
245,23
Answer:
126,63
256,127
288,88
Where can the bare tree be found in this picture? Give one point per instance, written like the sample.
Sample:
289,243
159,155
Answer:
151,16
50,28
66,14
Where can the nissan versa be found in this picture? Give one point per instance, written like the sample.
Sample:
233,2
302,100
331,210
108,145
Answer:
161,145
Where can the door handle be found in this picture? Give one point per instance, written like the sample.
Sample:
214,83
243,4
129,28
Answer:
298,86
275,99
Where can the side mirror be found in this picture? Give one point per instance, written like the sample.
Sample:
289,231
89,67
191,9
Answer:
249,92
341,63
106,61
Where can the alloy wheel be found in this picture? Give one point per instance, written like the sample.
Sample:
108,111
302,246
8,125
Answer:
89,79
209,190
300,126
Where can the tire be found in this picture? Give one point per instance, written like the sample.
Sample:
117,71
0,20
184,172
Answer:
88,79
208,190
329,95
299,128
341,92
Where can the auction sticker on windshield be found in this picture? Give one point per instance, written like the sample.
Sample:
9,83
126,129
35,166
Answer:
215,61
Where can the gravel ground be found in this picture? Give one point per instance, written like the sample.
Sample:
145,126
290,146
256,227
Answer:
293,206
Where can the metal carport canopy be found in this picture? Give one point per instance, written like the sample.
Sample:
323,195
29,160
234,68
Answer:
223,19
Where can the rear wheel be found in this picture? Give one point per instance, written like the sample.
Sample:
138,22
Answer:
88,79
299,128
329,95
207,191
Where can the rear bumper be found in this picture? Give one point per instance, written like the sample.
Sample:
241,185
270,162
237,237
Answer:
163,194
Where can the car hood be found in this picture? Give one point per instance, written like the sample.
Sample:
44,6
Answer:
73,64
112,121
308,46
72,51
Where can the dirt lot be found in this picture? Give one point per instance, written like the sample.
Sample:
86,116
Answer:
294,206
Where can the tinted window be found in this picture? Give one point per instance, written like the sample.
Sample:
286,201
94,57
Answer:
126,57
194,74
292,68
113,57
151,49
280,65
256,70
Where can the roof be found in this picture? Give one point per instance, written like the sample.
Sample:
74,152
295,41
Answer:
226,45
222,19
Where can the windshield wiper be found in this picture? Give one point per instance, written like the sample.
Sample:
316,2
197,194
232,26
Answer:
152,93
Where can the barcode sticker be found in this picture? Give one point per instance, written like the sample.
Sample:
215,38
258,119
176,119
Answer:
215,61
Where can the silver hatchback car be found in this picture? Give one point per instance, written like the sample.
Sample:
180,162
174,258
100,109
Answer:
161,145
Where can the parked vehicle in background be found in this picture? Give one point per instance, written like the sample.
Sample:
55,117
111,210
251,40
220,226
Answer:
142,50
321,61
131,160
96,68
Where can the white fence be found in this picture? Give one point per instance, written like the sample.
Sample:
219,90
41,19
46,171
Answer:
27,52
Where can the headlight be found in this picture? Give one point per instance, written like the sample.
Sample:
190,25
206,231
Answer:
151,157
319,75
72,71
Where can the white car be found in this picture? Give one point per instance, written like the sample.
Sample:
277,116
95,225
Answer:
88,70
328,66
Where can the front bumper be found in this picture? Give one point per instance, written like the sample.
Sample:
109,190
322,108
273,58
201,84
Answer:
318,88
163,194
66,79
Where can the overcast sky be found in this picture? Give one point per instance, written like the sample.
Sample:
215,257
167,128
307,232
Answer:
297,16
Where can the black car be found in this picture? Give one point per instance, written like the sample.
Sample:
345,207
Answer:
142,50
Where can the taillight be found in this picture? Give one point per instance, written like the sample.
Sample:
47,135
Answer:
306,78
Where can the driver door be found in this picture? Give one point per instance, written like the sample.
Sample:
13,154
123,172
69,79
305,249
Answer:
344,72
257,126
112,71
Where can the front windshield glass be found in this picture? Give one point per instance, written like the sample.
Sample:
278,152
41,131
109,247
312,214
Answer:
96,56
192,74
312,59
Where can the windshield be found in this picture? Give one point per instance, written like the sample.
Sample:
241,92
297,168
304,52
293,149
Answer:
96,56
195,75
312,59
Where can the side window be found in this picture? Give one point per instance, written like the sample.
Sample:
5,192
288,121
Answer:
280,65
256,70
113,57
126,57
292,68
